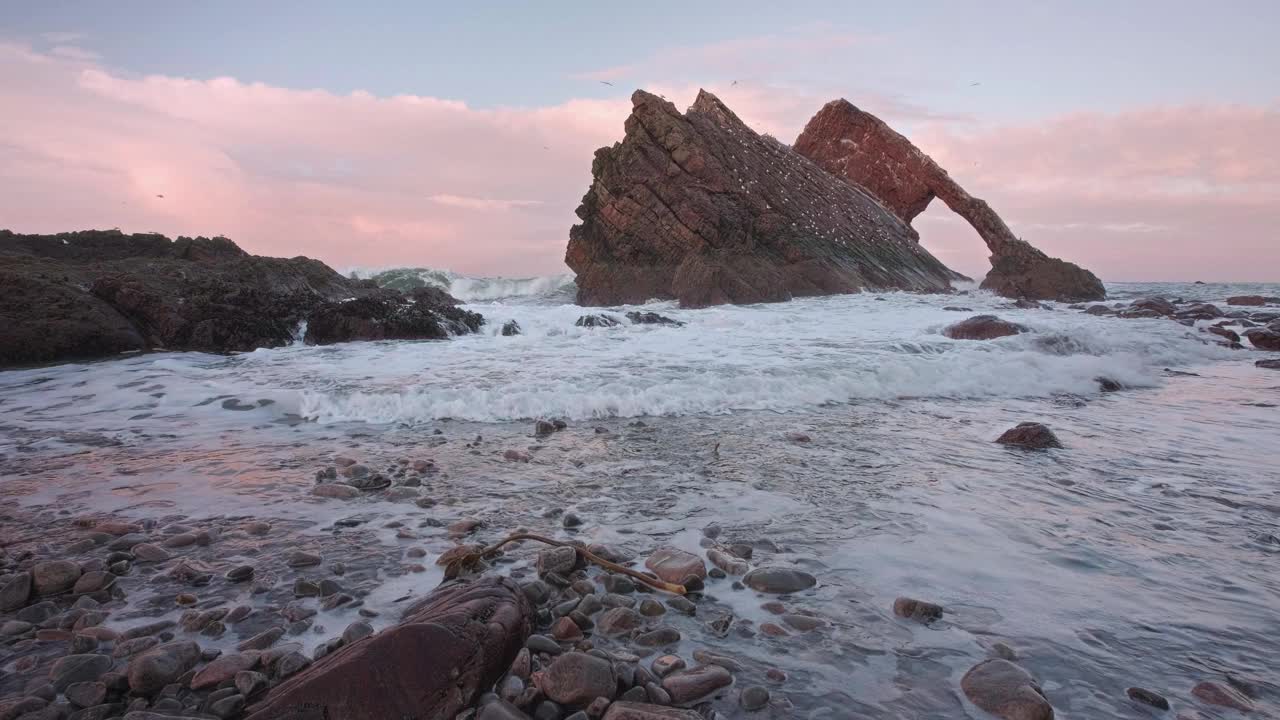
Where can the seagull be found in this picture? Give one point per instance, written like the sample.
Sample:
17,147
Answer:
546,147
974,84
735,82
159,196
606,82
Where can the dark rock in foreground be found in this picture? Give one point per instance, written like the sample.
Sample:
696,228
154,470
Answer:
860,148
93,294
699,208
1030,435
1269,364
982,327
451,646
1006,691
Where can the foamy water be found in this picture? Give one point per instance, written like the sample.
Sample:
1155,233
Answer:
1142,554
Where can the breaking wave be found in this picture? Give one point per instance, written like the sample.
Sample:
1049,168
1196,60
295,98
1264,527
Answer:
468,288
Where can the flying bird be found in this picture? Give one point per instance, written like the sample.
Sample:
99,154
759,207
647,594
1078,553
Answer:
606,82
974,84
159,196
735,82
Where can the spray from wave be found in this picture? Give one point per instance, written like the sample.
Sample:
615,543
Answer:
558,288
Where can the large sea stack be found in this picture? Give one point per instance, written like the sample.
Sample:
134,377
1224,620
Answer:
860,148
699,208
96,293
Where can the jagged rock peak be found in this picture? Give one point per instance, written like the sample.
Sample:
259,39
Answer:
700,208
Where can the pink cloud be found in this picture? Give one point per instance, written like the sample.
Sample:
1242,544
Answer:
358,179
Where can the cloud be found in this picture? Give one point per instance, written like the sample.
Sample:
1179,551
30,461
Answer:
358,179
475,203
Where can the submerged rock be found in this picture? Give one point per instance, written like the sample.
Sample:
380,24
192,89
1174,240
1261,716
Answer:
1247,300
1031,435
982,327
510,328
1006,691
779,581
652,318
918,610
1147,697
1223,696
698,207
450,647
860,148
1269,364
597,321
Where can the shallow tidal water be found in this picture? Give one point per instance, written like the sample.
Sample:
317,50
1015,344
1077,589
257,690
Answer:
1143,554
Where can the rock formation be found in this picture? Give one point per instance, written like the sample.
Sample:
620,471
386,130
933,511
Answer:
451,647
860,148
93,294
698,207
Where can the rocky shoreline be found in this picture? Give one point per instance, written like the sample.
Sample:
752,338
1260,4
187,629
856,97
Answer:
94,294
533,631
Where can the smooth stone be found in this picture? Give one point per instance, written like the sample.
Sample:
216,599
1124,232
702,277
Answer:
54,576
1223,696
577,679
86,694
262,640
918,610
223,669
689,686
149,553
156,668
15,590
74,669
675,566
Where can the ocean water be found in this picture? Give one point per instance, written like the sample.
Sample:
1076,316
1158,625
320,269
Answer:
1144,553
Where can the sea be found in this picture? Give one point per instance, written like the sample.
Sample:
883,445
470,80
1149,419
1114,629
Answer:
842,435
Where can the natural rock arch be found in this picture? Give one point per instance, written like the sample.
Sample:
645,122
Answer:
861,149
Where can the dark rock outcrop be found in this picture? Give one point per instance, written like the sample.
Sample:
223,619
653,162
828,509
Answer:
424,314
450,647
699,208
860,148
982,327
1263,338
1247,300
96,293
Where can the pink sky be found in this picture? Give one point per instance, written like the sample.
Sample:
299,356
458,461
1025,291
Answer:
1174,192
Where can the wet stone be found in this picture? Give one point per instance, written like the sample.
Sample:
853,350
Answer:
691,685
543,644
659,637
918,610
74,669
754,698
577,679
240,573
303,559
667,664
